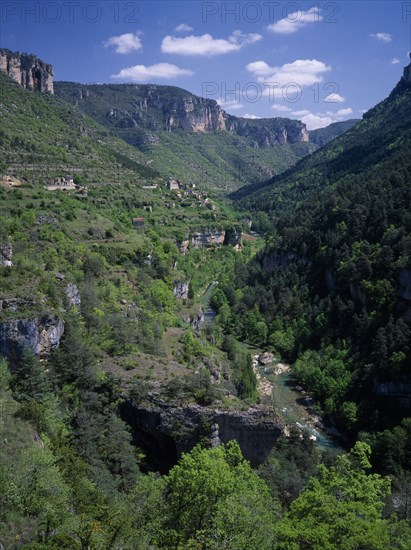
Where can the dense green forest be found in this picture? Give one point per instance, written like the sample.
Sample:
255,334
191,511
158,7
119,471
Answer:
102,307
330,290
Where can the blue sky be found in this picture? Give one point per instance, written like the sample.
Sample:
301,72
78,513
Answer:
318,62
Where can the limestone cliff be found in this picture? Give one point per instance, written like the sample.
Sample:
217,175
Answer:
41,334
195,114
165,431
27,70
152,108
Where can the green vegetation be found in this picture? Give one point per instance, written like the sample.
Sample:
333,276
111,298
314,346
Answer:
219,161
329,291
322,136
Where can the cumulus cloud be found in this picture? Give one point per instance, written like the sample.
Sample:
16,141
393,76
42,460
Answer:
313,121
183,27
143,73
320,120
206,45
253,117
303,72
344,112
125,43
382,36
296,21
302,112
231,104
334,98
395,61
280,108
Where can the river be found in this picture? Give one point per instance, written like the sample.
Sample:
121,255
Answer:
293,405
289,403
209,313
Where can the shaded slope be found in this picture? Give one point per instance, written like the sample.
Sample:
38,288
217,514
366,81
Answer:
374,141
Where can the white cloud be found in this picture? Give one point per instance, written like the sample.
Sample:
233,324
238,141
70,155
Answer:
253,117
143,73
125,43
232,105
296,21
303,112
280,108
334,98
303,72
382,36
183,27
344,112
320,120
313,121
395,61
207,45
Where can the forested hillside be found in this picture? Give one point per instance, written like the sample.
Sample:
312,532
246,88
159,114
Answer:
130,305
332,287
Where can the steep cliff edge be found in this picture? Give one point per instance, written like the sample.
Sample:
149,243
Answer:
41,334
27,70
167,108
164,431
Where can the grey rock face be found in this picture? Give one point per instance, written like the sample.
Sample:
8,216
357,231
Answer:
214,435
73,295
42,335
196,320
207,238
6,255
15,304
180,290
171,430
266,358
27,70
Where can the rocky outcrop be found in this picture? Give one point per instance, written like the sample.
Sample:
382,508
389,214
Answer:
73,295
148,108
210,237
196,115
6,255
27,70
165,431
16,304
232,237
180,290
183,246
41,334
269,132
266,358
196,320
207,238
